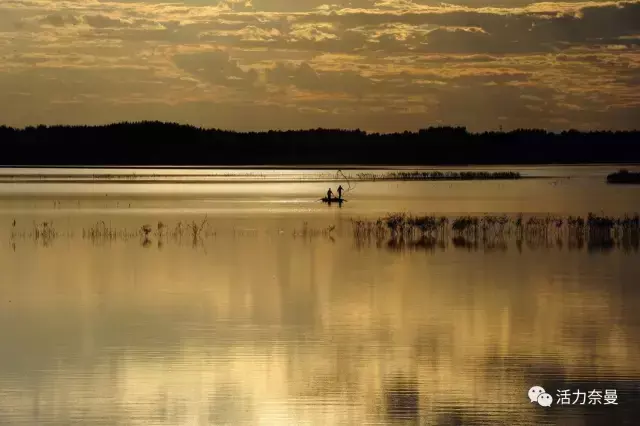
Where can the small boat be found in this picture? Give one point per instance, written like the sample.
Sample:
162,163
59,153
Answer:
333,200
624,176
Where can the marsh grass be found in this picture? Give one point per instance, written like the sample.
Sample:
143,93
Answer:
419,175
436,175
396,232
307,232
195,232
402,231
40,232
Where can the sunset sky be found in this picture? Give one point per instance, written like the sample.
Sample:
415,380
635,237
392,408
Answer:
383,65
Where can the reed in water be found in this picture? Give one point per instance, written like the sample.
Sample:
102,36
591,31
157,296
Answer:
401,230
395,231
43,232
407,223
204,177
436,175
195,231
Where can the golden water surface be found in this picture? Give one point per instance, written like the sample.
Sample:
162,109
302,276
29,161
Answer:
260,324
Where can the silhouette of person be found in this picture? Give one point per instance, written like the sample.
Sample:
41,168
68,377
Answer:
340,191
329,194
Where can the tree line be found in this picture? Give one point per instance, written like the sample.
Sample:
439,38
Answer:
158,143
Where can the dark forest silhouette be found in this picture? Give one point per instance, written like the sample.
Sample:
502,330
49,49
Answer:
157,143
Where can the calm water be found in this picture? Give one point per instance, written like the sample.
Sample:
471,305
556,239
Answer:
255,322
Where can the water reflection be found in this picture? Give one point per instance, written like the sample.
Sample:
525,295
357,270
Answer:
273,324
432,244
402,398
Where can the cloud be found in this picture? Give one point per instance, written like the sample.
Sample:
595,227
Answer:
305,77
101,21
216,67
419,61
57,20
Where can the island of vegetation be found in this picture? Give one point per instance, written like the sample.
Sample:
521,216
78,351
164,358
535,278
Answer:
170,144
254,176
624,176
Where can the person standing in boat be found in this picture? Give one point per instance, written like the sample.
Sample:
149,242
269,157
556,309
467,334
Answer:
340,189
329,194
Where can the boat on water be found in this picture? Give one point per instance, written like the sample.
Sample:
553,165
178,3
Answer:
624,176
333,200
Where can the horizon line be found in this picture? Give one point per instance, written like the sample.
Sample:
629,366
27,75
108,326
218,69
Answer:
333,129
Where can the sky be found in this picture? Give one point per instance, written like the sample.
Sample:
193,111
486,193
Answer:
376,65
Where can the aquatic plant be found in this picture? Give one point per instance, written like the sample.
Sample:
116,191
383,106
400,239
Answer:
400,231
42,232
307,232
204,177
395,231
199,231
436,175
100,232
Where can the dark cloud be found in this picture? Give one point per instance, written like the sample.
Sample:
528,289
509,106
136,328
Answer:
495,78
216,67
481,31
101,21
384,64
484,32
60,20
306,78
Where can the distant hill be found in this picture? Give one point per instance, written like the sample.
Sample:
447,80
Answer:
156,143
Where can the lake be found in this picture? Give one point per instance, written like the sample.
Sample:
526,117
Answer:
245,301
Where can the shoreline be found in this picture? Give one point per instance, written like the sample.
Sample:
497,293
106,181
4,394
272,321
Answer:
316,167
124,180
436,176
